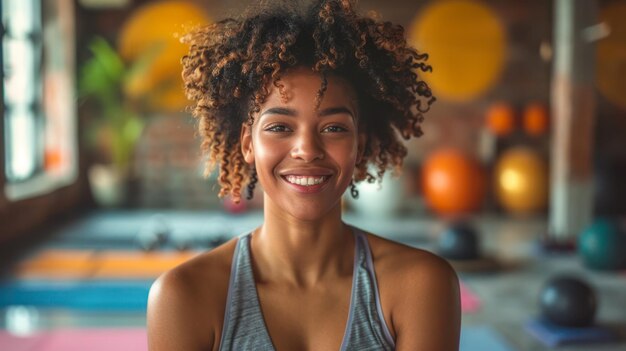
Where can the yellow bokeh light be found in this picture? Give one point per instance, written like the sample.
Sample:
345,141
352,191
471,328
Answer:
511,181
466,43
521,180
157,27
611,55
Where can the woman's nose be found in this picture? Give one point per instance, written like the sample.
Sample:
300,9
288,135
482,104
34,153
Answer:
308,147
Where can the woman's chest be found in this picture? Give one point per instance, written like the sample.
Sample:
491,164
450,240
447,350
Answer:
306,320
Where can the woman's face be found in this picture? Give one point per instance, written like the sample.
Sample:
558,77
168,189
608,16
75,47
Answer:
305,157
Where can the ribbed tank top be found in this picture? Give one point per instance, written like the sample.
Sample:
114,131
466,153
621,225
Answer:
245,329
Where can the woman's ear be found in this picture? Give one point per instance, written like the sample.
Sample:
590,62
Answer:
245,139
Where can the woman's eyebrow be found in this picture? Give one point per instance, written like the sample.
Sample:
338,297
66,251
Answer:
292,113
280,111
335,111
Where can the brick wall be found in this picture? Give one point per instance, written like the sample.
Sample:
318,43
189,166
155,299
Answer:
169,166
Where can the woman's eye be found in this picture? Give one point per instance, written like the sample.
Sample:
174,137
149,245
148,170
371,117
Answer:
335,129
277,128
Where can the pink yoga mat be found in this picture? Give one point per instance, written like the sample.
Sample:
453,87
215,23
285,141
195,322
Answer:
77,340
469,301
12,342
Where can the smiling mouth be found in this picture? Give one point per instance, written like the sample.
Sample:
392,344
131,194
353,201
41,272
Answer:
305,180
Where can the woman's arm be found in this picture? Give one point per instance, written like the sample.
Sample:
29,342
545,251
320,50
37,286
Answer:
428,316
172,317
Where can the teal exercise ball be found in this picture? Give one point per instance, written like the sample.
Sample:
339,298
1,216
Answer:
602,245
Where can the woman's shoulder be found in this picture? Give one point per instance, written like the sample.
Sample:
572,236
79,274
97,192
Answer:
396,259
207,270
421,293
186,304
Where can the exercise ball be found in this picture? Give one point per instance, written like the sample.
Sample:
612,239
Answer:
568,301
152,34
453,182
535,119
459,242
521,181
602,245
467,44
500,119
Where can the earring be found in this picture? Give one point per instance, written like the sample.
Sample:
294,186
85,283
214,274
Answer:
251,185
353,190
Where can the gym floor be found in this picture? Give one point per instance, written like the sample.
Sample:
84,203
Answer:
503,289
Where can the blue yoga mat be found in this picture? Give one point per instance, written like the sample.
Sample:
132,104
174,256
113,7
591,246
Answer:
553,335
93,295
482,338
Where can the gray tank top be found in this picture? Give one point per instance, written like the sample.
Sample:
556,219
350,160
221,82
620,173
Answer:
244,327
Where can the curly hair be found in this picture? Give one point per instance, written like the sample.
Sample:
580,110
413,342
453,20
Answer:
231,63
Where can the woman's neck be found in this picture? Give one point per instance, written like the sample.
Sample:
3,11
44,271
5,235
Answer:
301,253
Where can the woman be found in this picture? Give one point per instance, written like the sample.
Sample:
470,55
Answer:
307,104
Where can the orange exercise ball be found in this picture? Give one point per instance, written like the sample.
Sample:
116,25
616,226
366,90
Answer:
500,119
453,182
521,181
536,120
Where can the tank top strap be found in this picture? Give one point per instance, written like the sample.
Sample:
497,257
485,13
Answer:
366,329
244,327
242,304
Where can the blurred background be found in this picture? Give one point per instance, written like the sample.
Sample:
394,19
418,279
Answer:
519,180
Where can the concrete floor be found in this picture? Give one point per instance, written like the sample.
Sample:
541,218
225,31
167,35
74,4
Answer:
509,296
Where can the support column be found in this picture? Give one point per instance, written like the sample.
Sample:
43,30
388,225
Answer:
573,114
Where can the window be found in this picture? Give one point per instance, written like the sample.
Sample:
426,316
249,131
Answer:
40,137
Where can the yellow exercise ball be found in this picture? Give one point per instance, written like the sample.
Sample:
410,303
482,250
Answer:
611,55
521,181
152,33
466,43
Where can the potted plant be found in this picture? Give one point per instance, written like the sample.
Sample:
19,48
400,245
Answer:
113,121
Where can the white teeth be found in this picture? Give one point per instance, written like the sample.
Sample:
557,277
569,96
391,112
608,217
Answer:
305,181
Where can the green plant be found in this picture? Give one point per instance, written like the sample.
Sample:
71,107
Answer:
112,116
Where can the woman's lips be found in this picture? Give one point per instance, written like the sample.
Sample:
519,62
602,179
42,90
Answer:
306,184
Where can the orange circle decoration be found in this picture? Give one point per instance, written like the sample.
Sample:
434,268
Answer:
453,183
500,119
611,54
536,121
521,181
152,33
466,43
